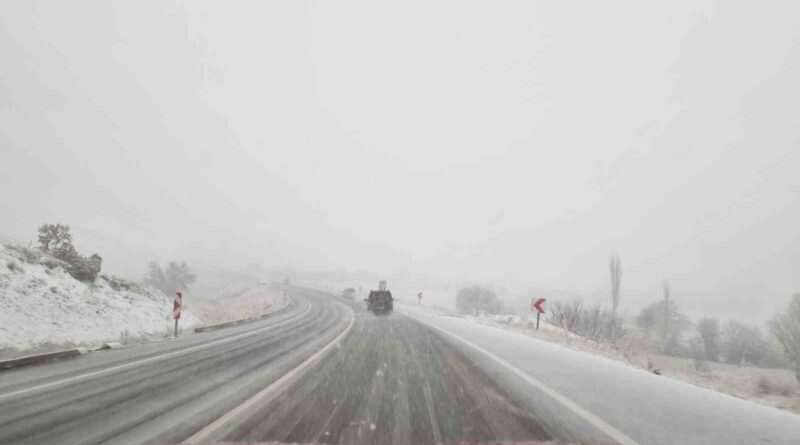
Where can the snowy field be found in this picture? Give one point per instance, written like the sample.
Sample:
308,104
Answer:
42,306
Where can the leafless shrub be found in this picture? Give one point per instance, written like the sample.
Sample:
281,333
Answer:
744,344
594,322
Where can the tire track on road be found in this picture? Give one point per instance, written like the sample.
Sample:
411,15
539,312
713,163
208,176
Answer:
392,381
162,394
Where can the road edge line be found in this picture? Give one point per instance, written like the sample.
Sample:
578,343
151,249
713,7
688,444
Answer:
287,379
600,424
221,341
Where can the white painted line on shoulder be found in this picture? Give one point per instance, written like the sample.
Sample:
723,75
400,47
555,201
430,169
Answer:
209,431
595,421
150,359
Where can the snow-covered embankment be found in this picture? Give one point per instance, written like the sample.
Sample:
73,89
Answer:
41,305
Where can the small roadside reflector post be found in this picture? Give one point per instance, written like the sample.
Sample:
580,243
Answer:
536,304
176,310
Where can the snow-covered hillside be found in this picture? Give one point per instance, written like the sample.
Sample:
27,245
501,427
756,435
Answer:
41,304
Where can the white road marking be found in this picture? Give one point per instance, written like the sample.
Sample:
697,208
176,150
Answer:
595,421
205,434
150,359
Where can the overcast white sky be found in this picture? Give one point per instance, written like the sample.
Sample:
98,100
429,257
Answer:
520,141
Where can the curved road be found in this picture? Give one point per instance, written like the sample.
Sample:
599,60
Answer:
164,391
414,377
390,380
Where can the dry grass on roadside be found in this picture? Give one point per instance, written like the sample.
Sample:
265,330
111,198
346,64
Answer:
252,303
772,387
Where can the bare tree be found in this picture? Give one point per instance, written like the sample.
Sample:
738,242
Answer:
179,276
651,320
786,328
172,278
615,271
155,277
743,343
708,337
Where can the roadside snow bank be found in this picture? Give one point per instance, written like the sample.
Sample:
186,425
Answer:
41,304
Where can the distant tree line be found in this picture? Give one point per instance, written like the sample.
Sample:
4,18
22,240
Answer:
665,326
733,342
667,330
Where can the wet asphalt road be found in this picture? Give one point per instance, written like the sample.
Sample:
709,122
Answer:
163,391
404,379
392,381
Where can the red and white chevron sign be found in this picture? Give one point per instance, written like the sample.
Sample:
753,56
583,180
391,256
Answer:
176,305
